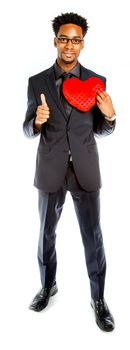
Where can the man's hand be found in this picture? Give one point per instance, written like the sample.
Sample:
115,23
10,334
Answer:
104,103
42,113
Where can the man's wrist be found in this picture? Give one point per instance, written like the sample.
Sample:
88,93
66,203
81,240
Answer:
37,125
110,119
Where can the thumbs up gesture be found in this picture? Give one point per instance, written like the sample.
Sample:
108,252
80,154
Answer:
42,113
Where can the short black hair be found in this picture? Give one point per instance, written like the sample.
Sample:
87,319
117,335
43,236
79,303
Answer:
71,17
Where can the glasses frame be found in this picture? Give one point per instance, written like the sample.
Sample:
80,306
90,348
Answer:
66,40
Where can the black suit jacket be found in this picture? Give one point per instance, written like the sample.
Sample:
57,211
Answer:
59,134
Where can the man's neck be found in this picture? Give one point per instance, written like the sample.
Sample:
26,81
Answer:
66,67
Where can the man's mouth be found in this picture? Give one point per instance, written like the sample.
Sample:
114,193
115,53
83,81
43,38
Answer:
68,54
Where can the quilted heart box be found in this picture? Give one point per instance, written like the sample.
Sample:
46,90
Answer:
81,94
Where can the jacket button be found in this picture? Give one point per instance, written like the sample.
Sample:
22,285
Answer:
68,129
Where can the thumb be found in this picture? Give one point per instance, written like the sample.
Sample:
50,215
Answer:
43,100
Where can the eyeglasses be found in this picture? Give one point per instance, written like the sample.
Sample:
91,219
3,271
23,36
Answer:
74,41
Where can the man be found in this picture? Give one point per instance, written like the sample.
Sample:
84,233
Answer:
67,159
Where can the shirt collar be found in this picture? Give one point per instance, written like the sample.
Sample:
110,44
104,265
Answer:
59,71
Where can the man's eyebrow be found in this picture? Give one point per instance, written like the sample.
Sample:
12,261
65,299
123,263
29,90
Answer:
74,37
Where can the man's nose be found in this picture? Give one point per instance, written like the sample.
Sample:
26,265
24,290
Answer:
69,44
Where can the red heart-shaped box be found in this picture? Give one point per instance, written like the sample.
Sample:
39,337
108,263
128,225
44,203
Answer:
81,94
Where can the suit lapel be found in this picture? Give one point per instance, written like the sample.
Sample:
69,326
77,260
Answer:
84,73
50,80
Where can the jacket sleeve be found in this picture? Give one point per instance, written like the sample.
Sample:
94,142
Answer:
28,125
101,126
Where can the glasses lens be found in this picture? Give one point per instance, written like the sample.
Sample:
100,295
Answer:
63,40
66,40
76,41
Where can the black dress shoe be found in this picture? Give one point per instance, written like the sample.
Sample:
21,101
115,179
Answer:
104,319
41,299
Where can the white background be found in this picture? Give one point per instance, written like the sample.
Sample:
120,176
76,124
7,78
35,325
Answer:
26,49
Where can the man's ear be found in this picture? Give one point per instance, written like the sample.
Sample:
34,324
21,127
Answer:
82,44
55,43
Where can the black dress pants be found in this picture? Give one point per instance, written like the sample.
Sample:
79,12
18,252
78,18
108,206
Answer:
87,208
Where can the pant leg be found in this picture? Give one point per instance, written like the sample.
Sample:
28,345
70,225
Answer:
87,207
50,208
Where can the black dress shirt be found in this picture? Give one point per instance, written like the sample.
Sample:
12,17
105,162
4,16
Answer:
59,72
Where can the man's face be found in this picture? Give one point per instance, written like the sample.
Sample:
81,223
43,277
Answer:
68,52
